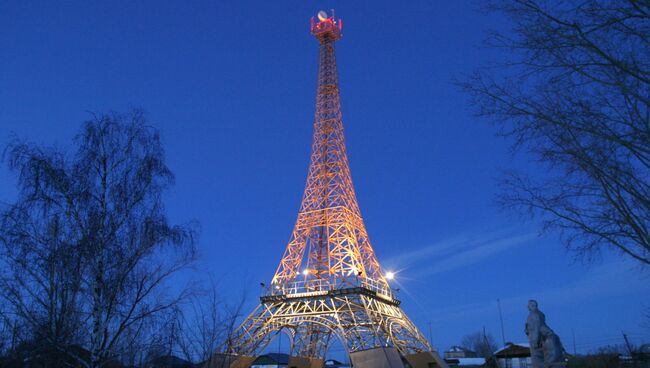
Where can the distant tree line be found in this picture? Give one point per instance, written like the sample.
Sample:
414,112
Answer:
86,253
626,355
480,343
613,356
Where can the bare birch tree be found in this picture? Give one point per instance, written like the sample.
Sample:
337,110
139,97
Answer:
41,257
575,93
88,241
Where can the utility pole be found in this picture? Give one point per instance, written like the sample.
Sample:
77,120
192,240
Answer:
574,342
485,341
503,335
489,357
430,334
627,343
629,348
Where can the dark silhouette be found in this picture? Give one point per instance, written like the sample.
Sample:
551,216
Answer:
87,246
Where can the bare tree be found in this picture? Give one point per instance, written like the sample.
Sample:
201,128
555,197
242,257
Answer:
87,242
207,323
575,93
41,258
12,335
5,336
480,343
136,341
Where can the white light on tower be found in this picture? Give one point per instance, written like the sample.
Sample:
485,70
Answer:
305,272
390,275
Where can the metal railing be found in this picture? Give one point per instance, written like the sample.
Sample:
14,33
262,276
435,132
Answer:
313,287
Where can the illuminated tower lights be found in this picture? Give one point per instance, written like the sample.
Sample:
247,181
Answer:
329,282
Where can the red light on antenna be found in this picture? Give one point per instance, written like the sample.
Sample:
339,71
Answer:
326,28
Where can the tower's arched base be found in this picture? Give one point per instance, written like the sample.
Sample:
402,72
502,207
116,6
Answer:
371,326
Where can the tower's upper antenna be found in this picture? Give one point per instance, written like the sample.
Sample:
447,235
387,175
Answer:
327,28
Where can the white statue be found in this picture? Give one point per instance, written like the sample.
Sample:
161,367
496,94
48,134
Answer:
545,346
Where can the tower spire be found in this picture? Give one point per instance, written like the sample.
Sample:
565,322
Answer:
329,240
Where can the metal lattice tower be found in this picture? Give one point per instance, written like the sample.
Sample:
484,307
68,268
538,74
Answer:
329,283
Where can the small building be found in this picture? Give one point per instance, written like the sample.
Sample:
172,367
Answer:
513,355
271,360
455,352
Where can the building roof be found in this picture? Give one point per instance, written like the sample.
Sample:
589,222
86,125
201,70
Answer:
458,349
513,350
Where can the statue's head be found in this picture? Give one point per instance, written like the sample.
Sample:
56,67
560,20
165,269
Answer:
532,305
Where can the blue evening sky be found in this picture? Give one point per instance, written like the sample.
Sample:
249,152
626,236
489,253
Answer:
231,86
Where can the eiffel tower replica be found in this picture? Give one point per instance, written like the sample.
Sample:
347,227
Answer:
329,284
